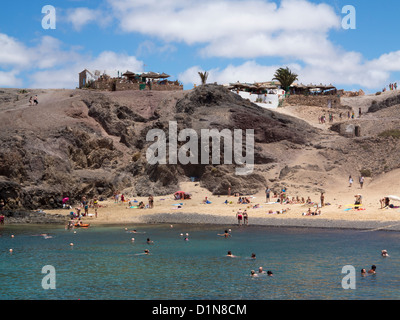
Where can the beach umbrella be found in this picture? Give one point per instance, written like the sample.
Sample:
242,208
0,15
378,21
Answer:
65,200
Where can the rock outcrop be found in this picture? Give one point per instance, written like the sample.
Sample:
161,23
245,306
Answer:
79,142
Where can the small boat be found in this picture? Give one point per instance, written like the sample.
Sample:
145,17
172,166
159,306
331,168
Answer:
83,225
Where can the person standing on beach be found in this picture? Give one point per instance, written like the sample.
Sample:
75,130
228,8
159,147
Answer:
95,205
322,200
239,216
361,182
267,194
35,100
85,206
245,218
229,191
151,202
350,181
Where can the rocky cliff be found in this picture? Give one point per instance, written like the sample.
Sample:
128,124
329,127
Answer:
80,142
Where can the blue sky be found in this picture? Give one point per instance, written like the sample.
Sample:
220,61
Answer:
235,40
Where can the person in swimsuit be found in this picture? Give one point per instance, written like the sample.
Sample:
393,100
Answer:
95,205
85,205
245,218
239,216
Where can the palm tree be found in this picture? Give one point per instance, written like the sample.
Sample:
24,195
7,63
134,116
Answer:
203,77
286,77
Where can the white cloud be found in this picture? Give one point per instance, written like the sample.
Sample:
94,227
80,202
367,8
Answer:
79,17
211,21
249,72
148,47
66,75
9,79
51,64
13,52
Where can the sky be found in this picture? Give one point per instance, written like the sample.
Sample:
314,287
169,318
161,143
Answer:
324,42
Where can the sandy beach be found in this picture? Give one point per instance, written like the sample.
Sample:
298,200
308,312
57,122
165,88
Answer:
335,214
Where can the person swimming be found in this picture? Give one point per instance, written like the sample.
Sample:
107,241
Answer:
145,252
229,254
372,270
226,234
363,272
384,253
150,241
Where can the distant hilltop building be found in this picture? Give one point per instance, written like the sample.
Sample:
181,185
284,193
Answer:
127,81
270,94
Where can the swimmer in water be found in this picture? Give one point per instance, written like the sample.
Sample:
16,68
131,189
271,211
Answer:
260,270
372,271
226,234
363,272
146,252
253,256
384,253
230,254
253,274
269,273
149,241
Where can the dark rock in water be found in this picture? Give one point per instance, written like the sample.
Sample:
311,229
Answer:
32,217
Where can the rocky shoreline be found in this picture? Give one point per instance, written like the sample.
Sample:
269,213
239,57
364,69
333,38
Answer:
32,217
37,217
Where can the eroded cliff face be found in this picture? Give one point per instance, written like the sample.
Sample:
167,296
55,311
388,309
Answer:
79,142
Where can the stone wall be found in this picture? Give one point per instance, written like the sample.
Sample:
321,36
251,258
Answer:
115,85
126,86
315,101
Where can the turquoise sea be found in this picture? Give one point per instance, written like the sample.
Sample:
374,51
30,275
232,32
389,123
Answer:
105,264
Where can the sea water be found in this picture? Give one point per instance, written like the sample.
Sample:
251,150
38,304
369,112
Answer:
104,263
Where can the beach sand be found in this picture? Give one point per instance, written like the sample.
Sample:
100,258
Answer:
194,210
